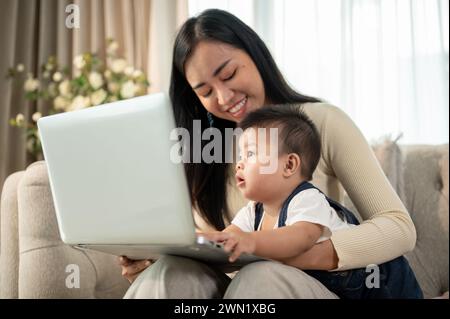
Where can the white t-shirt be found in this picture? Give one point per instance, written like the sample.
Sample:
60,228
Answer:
308,206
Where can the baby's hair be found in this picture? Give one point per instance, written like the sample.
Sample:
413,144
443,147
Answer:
297,133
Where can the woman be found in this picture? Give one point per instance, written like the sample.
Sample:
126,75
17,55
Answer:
221,71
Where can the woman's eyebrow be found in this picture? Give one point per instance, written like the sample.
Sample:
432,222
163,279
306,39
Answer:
217,71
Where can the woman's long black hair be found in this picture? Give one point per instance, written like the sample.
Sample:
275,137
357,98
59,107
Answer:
207,182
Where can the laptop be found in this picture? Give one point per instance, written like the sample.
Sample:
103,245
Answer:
116,188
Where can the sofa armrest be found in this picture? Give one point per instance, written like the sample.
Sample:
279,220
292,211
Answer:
9,242
47,265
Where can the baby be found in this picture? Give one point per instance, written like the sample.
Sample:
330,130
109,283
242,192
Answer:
279,151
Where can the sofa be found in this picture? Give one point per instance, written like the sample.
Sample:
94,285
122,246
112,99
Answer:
35,263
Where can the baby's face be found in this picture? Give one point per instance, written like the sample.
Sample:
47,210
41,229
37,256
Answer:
259,169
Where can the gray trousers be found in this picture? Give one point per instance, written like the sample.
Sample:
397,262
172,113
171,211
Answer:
183,278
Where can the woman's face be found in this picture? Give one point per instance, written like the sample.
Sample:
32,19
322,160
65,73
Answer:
225,80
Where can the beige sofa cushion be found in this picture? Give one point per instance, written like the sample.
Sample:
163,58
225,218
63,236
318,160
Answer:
426,197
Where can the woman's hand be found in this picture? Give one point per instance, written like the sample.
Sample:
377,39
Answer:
321,256
132,268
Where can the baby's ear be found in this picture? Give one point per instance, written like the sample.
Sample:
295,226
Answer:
292,164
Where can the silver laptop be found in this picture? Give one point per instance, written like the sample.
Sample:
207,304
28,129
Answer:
114,185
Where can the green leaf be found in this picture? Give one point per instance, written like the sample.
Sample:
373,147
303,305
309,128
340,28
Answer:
65,70
32,95
45,95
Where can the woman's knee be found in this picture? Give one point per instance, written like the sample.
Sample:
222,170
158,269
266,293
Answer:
269,279
192,279
176,266
179,277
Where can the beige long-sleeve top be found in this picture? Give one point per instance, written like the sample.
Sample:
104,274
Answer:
348,161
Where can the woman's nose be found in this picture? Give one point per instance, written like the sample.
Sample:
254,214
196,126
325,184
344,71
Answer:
239,165
224,95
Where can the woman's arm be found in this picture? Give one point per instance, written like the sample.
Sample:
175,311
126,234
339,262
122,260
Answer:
321,256
387,231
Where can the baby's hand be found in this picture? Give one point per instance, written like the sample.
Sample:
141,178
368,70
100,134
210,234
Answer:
236,242
239,243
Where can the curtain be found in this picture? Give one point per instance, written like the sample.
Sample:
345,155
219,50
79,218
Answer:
32,30
384,62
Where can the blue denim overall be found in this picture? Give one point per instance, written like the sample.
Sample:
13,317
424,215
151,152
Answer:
396,278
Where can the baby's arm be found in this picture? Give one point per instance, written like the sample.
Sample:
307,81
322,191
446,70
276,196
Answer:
232,228
278,244
288,241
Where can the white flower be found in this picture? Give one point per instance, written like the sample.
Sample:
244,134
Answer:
57,76
128,70
60,103
98,97
118,65
64,87
79,62
128,90
137,73
20,68
20,119
31,84
95,79
112,47
36,116
79,102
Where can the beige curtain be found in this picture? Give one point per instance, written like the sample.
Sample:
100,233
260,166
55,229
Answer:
31,30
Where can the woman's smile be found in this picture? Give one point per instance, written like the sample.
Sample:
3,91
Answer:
238,110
